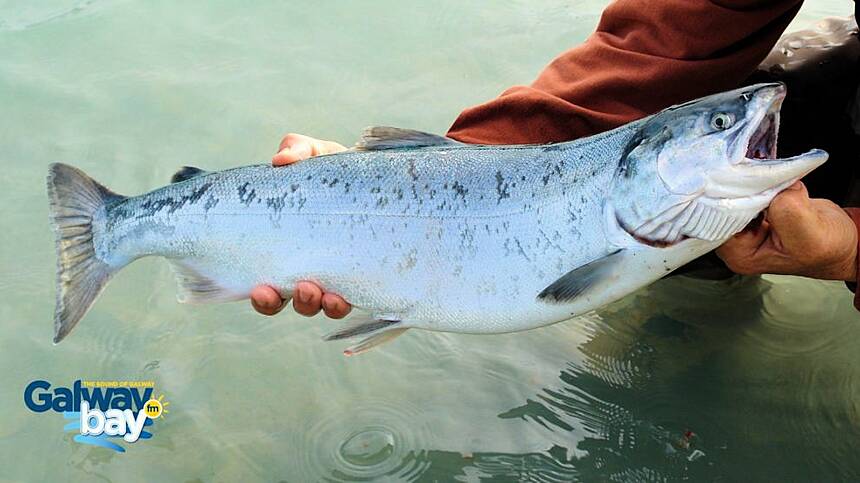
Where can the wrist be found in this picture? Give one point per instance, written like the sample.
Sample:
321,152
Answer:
850,264
848,271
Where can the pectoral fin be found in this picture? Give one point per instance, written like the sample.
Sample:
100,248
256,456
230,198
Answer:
196,288
578,282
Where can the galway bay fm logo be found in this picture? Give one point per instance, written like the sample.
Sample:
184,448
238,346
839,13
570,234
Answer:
103,413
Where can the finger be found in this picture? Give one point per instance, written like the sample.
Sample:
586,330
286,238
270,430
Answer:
793,219
334,306
307,299
746,241
743,252
327,147
294,147
266,300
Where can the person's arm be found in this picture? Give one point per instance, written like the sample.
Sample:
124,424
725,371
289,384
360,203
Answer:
645,55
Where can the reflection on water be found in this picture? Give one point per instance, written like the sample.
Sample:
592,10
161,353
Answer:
741,393
741,380
749,391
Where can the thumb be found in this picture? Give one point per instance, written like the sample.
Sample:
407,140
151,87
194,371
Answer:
296,147
792,217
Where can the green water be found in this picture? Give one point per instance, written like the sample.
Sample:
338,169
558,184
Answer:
765,373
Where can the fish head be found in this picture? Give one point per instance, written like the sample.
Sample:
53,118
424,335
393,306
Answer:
704,169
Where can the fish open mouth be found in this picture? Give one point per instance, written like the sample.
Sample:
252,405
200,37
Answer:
760,170
762,143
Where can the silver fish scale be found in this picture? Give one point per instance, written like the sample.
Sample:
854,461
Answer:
446,238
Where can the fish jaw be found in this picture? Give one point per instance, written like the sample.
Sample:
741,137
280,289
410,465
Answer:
755,169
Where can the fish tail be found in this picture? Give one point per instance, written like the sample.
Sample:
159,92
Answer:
76,200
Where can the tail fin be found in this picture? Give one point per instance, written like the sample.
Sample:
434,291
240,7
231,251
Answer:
75,200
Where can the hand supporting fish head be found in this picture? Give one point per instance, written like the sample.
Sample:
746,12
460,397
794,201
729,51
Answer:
704,169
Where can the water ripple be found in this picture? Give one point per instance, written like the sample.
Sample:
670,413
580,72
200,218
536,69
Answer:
367,440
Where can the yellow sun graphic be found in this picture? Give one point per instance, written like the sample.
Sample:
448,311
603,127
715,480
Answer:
156,408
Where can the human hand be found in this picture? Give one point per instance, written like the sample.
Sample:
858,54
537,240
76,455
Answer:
798,236
296,147
308,297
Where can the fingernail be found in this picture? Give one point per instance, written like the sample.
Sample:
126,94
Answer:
304,296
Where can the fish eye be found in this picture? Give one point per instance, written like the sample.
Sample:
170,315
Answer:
722,121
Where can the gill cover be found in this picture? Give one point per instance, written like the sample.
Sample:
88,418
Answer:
660,193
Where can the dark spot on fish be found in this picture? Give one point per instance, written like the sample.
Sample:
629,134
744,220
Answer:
459,189
545,178
151,207
333,182
294,187
245,196
552,147
501,187
276,203
211,202
411,170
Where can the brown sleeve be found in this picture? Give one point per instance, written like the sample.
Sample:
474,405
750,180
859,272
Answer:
854,213
645,55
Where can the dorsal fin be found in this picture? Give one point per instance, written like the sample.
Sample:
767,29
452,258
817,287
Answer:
377,138
187,172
